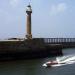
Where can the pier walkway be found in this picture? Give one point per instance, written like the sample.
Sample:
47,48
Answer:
65,42
59,40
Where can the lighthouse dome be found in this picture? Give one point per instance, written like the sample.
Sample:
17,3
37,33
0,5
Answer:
29,8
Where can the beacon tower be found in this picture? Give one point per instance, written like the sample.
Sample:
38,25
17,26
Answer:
29,11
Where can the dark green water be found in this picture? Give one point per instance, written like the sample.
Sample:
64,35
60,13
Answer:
34,67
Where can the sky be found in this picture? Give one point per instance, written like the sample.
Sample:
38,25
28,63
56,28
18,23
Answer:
50,18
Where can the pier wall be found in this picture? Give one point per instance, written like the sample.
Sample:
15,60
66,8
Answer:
35,48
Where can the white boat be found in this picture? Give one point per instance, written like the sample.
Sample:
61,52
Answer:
60,61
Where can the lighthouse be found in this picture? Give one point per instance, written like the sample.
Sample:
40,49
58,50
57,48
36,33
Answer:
29,11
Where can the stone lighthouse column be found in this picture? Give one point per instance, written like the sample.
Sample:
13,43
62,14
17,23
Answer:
29,11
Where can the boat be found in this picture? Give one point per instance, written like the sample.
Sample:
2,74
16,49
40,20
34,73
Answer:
60,61
50,63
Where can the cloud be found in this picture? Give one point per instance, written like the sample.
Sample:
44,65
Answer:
14,3
59,8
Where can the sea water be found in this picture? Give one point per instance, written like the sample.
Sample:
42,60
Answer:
34,66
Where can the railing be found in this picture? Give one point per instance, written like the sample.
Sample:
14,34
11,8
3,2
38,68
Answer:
59,40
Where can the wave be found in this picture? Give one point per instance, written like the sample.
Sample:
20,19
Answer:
69,59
